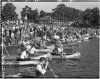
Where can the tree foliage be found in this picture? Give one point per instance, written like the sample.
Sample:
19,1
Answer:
42,13
91,17
62,12
87,18
8,12
28,14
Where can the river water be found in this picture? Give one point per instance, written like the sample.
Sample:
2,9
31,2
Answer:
89,61
87,66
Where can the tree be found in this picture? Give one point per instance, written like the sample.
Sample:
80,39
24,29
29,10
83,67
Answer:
8,12
25,13
42,13
59,12
28,14
62,12
91,17
35,15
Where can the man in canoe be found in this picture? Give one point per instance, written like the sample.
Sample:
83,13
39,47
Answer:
58,48
41,67
30,49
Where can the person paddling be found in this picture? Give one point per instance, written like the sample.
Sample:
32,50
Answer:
41,67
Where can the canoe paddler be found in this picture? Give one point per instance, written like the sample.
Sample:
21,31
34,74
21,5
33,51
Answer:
25,53
41,67
58,48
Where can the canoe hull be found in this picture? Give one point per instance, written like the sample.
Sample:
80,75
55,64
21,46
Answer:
35,60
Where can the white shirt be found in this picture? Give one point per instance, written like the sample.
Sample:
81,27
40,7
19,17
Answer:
39,68
24,55
60,49
32,51
56,37
12,35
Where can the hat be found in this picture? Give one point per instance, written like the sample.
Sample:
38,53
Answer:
42,59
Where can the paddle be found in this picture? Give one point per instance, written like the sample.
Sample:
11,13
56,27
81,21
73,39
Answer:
52,71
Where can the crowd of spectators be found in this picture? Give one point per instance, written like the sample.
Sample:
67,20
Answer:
13,33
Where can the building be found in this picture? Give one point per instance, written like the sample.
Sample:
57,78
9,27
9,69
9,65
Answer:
49,20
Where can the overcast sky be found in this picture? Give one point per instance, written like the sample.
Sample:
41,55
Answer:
48,6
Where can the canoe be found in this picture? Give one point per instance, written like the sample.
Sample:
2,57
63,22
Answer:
76,55
35,60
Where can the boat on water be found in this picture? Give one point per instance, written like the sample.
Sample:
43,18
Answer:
35,60
86,37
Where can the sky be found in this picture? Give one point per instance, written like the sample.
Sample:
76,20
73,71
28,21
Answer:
48,6
54,0
85,0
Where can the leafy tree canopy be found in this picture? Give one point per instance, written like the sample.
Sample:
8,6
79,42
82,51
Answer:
8,12
28,14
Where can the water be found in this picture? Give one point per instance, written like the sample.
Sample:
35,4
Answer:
89,61
85,67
